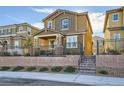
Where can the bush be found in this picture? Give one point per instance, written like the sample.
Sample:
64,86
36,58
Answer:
18,68
112,52
42,52
43,69
56,69
4,68
31,68
6,54
70,69
103,72
37,54
16,54
27,54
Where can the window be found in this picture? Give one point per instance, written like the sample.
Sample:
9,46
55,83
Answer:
1,32
49,24
115,17
116,36
16,44
29,30
65,24
71,42
20,28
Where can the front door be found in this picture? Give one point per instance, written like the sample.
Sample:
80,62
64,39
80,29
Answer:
52,44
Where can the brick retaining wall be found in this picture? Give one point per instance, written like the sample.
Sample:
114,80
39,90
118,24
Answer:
113,64
69,60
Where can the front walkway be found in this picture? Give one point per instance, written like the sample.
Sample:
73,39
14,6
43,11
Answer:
72,78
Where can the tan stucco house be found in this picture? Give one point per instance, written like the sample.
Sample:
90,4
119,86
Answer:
68,30
14,37
114,29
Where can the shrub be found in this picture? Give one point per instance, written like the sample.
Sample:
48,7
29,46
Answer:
6,54
42,52
36,53
70,69
31,68
18,68
103,72
56,69
4,68
112,52
43,69
27,54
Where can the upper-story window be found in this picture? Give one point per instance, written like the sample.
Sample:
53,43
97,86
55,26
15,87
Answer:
116,36
29,30
49,24
115,17
1,32
65,24
20,28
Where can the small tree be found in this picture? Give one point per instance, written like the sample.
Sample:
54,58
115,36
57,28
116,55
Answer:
29,44
4,47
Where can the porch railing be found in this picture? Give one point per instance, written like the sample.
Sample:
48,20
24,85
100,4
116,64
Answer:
111,47
47,50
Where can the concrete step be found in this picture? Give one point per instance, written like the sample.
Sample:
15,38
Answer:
89,60
89,57
86,64
86,68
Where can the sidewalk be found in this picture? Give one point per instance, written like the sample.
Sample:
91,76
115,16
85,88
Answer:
73,78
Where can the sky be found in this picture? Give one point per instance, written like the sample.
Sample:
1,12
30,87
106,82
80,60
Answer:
34,15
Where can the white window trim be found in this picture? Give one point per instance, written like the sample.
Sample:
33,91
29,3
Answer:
116,35
29,29
16,43
71,42
21,28
61,23
48,25
113,17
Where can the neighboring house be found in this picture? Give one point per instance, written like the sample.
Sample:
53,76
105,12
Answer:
114,29
66,30
13,37
98,45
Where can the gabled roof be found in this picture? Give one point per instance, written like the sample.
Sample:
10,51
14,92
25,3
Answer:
109,12
60,11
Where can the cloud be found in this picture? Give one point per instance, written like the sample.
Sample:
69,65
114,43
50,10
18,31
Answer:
97,22
43,10
39,25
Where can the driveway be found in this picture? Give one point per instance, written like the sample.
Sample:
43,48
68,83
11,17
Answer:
33,82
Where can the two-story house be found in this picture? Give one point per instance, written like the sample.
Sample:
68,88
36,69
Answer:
114,29
66,30
14,36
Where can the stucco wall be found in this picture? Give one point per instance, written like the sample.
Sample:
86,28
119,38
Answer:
70,60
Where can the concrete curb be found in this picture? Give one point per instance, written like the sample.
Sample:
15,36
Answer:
71,78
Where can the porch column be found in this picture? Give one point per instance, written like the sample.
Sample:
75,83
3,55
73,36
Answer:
59,48
36,40
59,40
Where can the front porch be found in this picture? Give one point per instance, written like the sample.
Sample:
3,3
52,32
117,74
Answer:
51,44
